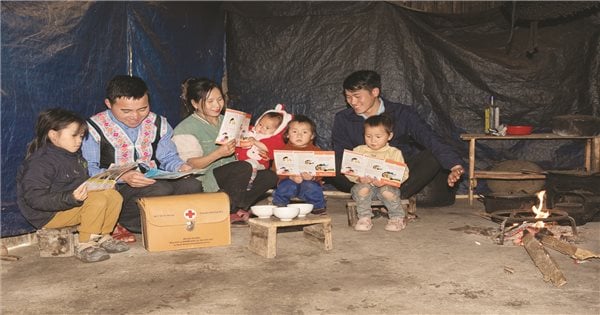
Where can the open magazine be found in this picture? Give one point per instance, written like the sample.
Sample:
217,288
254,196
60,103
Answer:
356,164
108,179
318,163
235,126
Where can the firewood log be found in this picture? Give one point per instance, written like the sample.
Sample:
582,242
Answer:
566,248
542,260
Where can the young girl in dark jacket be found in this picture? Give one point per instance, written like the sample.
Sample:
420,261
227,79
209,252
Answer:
52,192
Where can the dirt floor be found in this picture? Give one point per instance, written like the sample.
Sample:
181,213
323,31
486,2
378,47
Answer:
428,268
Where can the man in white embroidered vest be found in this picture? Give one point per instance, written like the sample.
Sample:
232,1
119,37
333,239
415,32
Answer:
129,132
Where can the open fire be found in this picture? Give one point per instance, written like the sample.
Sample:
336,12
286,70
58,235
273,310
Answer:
514,222
529,229
540,211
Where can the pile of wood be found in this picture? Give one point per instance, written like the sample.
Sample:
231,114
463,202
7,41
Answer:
535,243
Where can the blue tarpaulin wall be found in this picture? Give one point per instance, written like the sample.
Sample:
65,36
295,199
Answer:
64,53
298,53
446,66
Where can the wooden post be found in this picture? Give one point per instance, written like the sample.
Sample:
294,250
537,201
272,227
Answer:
542,260
595,167
351,213
263,240
320,233
472,180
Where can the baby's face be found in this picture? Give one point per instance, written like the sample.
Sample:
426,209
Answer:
266,125
300,134
376,137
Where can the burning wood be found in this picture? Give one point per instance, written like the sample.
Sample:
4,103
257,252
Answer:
515,233
542,260
533,235
540,211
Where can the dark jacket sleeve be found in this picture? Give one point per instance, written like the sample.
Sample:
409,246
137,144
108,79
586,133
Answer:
37,189
424,135
347,133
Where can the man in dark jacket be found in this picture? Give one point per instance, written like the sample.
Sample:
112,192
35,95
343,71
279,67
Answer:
425,152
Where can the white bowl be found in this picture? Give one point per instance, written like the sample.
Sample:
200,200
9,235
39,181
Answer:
286,213
305,208
263,211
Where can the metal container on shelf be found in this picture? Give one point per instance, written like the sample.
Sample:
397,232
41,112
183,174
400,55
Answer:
576,125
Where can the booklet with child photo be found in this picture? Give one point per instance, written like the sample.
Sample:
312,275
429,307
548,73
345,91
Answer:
108,179
318,163
356,164
235,126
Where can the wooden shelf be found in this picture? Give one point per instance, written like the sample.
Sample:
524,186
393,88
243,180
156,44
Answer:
506,175
591,157
533,136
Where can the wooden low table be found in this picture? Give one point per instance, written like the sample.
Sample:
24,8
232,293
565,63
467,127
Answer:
263,233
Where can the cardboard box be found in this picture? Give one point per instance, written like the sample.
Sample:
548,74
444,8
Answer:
185,221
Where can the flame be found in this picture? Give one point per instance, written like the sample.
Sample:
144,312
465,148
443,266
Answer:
539,210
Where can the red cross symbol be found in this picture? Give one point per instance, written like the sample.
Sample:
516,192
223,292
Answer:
189,214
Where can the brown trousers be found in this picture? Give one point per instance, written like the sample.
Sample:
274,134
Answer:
98,214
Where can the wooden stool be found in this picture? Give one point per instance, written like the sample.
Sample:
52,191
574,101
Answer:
263,233
410,206
57,242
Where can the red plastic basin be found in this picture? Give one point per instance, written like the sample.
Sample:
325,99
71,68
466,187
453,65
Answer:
518,130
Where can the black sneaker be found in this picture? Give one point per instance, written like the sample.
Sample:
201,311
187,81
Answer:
112,245
320,211
91,252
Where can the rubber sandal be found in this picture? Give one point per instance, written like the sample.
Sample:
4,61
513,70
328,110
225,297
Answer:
237,221
245,215
411,217
122,234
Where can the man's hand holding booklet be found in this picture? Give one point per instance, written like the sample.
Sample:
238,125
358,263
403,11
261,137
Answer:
108,178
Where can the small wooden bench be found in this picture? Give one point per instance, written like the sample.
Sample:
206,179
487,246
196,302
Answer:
59,242
263,233
410,205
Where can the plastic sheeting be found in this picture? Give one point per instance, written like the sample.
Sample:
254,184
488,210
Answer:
297,53
446,66
64,53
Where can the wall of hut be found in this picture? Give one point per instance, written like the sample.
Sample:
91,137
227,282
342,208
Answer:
449,7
